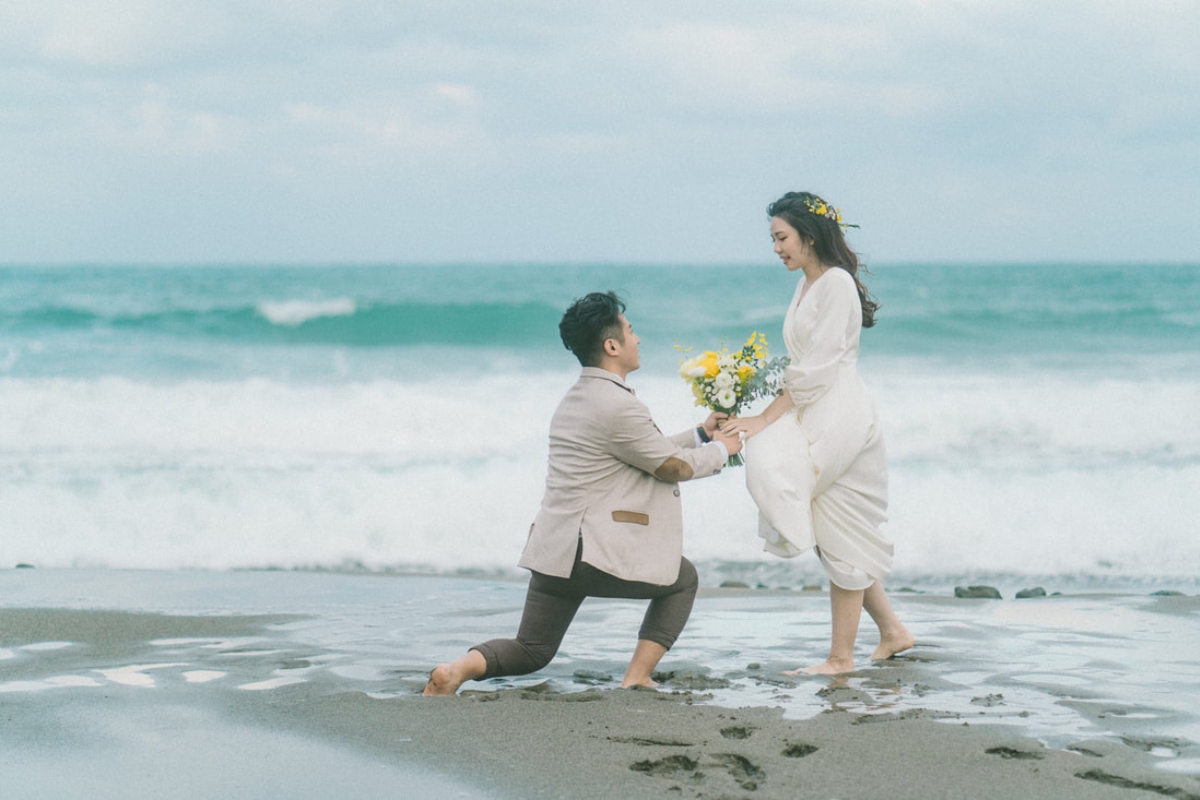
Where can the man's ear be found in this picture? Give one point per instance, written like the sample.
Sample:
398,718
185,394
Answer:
610,347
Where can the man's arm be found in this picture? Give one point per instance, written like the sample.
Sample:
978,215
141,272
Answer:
632,437
676,470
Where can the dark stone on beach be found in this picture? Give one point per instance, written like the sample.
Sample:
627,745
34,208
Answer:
1036,591
690,680
1166,593
1012,752
836,695
734,585
754,666
591,677
977,592
539,688
25,566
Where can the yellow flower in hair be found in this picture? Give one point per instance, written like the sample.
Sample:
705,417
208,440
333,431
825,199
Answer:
822,209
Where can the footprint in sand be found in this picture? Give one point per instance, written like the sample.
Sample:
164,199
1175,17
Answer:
744,772
799,750
669,767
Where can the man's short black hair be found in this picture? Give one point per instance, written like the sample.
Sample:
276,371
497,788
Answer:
589,322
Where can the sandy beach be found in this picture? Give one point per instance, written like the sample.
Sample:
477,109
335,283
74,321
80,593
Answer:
266,684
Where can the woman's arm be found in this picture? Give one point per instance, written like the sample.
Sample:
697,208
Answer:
756,424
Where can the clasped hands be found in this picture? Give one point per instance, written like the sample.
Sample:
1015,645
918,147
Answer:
720,427
735,427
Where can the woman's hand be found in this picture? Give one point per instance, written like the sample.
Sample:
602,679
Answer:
744,426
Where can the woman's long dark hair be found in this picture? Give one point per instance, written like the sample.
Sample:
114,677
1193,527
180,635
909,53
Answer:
828,241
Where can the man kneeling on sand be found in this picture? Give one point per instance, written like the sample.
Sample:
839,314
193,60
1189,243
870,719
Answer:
611,523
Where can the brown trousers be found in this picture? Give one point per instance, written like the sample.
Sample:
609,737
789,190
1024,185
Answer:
551,603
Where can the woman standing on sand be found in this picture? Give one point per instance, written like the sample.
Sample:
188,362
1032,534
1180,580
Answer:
815,460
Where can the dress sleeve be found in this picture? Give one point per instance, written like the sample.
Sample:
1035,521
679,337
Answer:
817,369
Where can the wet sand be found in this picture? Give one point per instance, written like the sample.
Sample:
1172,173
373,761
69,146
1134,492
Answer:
119,684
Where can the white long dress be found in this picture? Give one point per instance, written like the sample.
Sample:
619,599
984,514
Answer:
819,473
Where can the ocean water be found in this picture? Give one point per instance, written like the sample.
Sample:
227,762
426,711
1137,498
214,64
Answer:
1041,420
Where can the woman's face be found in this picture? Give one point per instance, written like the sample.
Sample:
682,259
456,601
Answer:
791,249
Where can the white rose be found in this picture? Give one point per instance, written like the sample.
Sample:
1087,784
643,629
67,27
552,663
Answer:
726,398
691,368
724,380
726,363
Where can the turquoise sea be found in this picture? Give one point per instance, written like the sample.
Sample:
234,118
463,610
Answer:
1041,419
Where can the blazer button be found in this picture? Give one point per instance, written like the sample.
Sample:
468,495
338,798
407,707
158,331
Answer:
676,493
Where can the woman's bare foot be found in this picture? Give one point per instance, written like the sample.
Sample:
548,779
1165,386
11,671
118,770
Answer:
892,642
649,684
831,666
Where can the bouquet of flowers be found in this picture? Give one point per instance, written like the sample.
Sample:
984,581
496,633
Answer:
724,381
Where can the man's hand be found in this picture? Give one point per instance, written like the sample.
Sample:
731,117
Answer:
713,423
732,442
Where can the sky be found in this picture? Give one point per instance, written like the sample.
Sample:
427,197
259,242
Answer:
347,131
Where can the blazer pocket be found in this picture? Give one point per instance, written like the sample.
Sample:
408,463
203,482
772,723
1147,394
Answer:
631,516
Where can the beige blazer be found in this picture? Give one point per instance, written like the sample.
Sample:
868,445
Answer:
600,486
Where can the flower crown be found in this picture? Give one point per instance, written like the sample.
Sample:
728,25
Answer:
823,209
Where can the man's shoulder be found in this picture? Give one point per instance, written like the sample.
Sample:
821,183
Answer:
599,383
600,377
599,402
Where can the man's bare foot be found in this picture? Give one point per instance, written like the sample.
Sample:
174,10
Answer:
891,643
442,681
831,666
446,678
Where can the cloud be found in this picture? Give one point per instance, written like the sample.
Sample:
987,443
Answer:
154,124
434,118
588,119
111,33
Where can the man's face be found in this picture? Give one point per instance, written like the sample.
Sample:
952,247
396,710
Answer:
627,351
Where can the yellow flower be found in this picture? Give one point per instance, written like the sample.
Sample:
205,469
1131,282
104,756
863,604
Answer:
709,362
758,345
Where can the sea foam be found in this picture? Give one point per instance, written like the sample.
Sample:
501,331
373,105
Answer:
297,312
1023,476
